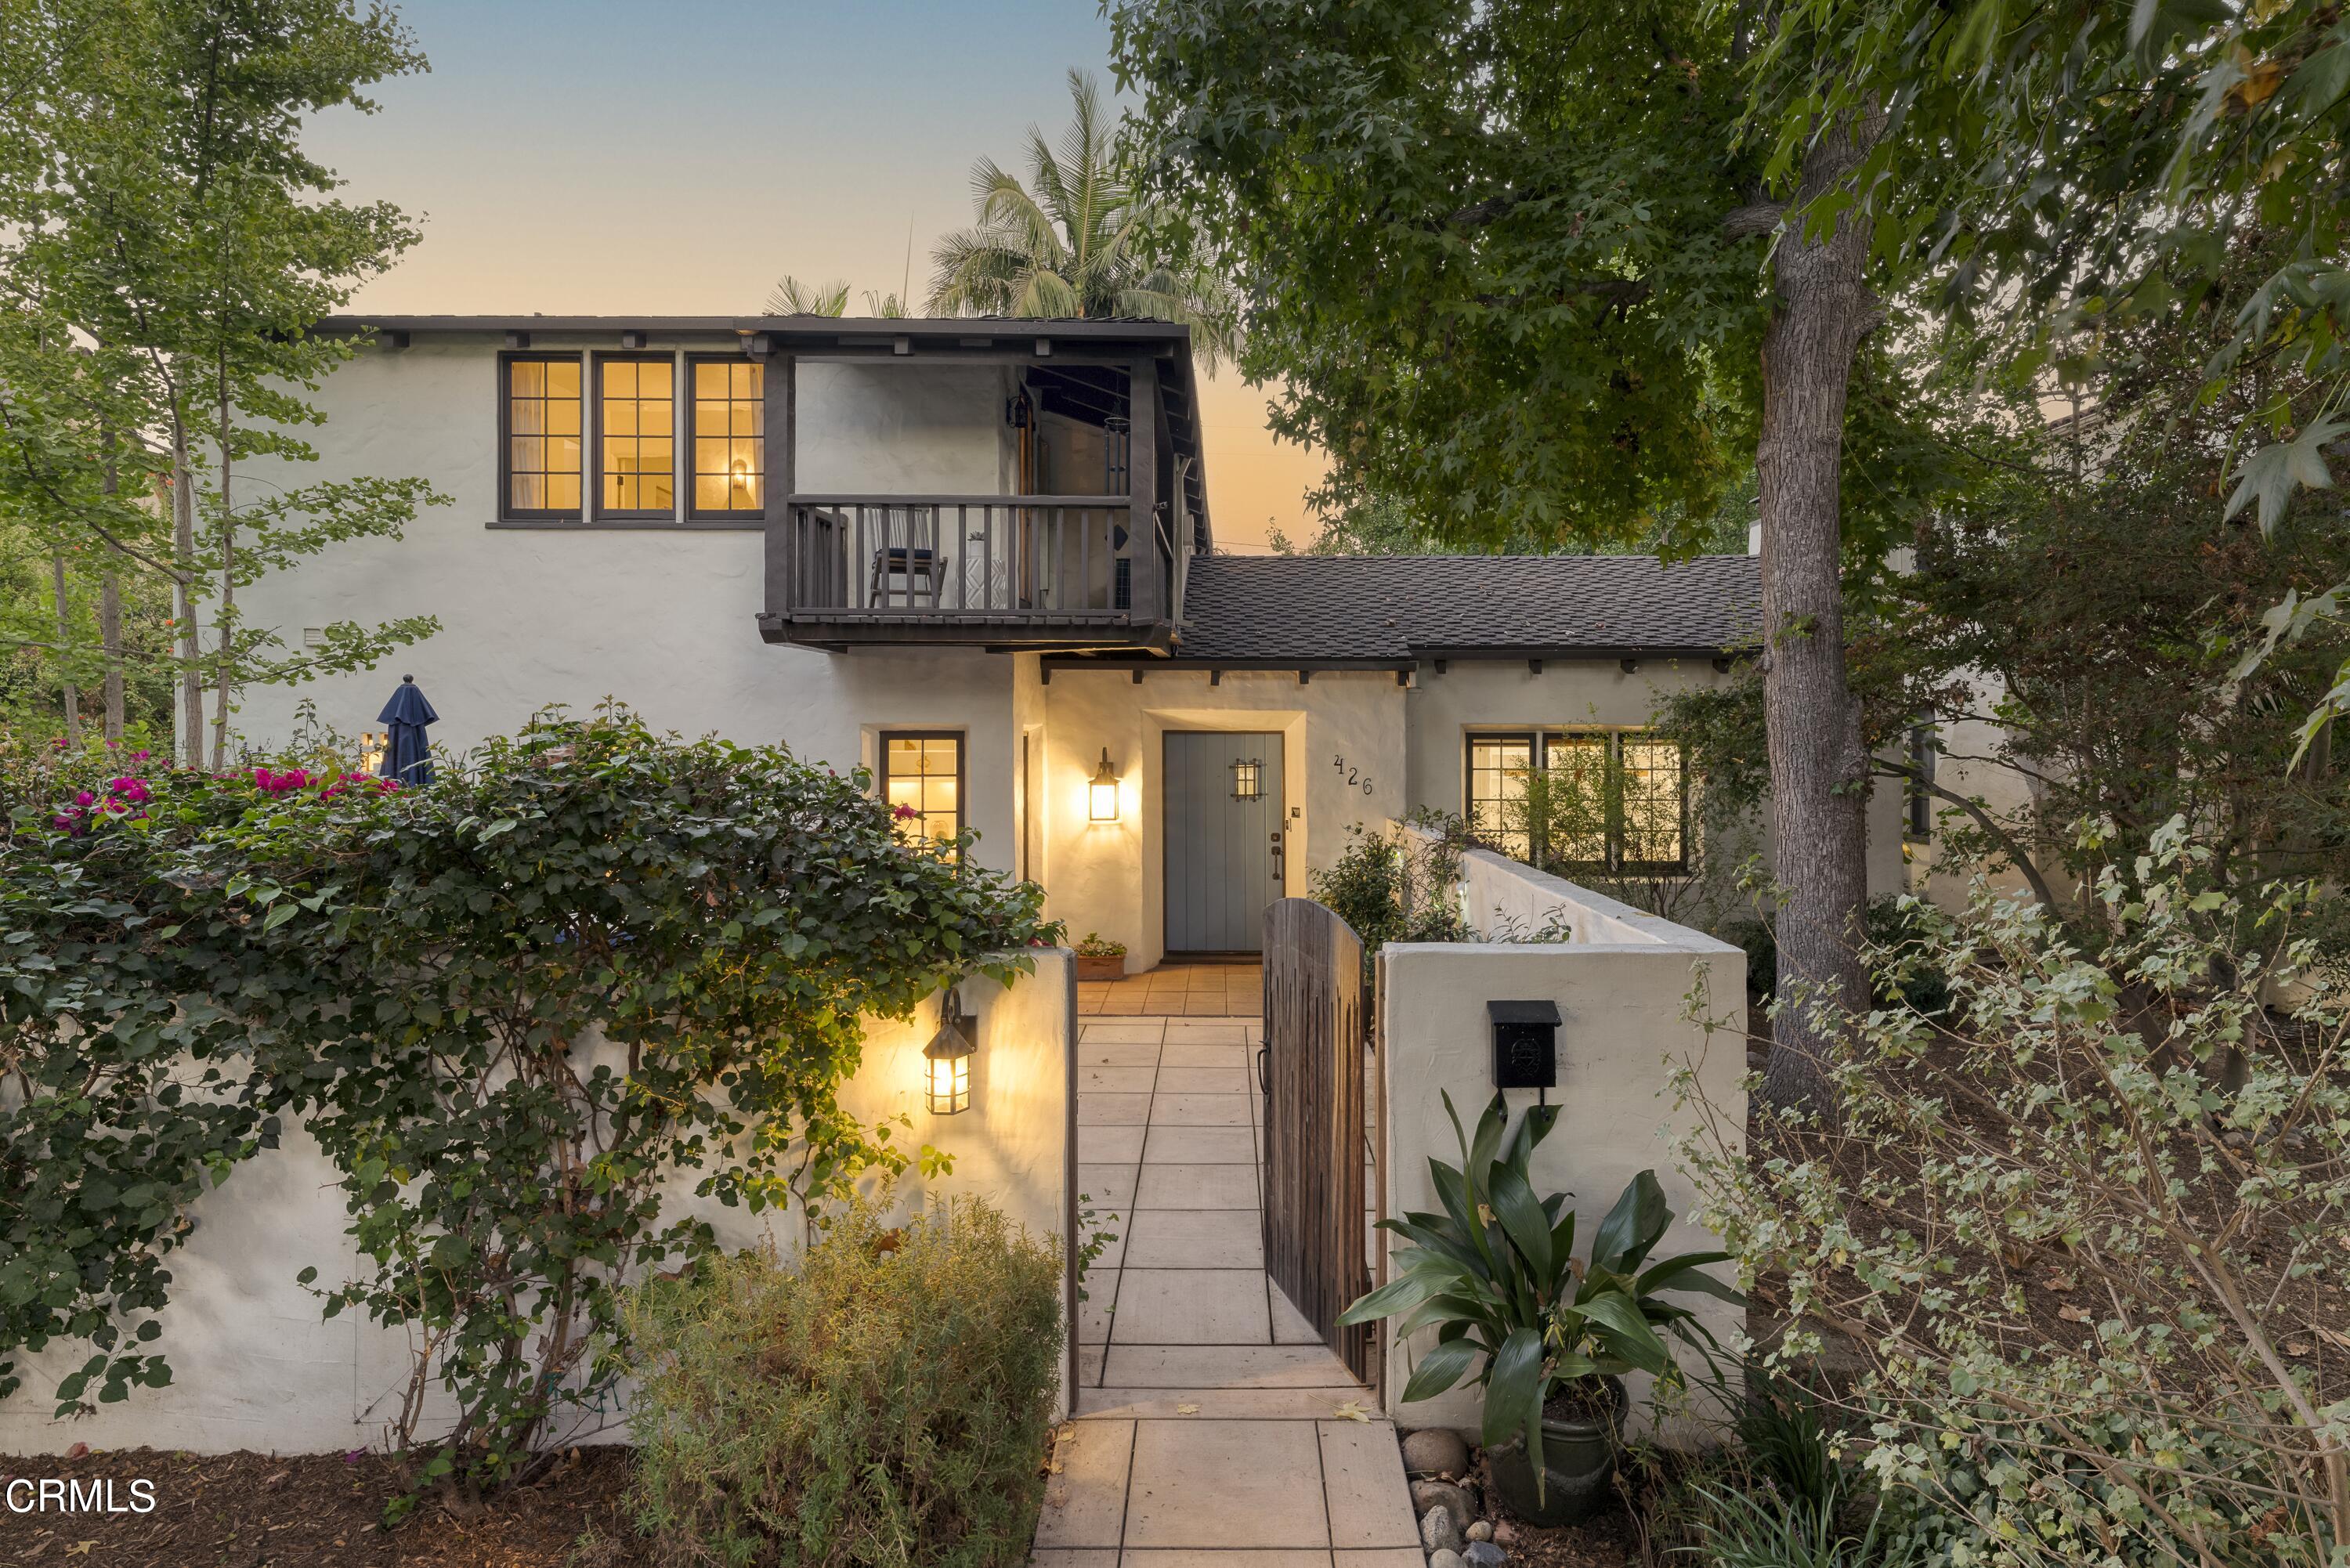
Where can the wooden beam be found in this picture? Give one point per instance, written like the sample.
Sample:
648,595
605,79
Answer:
1142,484
777,411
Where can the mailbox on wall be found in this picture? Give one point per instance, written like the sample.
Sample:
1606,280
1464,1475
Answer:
1525,1045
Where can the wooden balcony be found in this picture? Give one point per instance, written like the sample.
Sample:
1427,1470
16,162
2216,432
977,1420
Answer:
1010,571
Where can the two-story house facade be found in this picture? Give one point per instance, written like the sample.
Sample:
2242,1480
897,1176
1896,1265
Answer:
976,558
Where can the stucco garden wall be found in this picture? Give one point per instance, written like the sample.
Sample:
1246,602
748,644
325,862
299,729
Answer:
255,1367
662,618
1111,876
1634,997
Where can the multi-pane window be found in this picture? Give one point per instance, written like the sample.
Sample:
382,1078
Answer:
542,455
636,435
1612,801
730,460
921,782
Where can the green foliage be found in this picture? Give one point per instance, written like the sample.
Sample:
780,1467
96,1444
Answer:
1393,889
887,1403
2086,1230
1093,944
593,969
1078,239
170,246
1497,1276
1482,247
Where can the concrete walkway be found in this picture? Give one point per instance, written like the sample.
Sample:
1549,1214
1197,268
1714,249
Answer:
1213,1430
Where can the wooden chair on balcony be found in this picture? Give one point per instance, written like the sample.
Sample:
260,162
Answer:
922,570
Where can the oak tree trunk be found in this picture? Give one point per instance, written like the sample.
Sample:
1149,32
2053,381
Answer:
1819,767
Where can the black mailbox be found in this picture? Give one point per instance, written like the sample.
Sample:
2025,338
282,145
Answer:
1525,1045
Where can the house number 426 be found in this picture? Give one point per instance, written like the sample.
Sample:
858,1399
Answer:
1353,776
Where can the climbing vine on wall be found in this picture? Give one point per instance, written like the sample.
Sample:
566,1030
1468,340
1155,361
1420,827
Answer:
595,969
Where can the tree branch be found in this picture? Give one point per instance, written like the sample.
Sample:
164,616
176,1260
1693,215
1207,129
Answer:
2015,854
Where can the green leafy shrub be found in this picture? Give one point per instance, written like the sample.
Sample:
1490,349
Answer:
888,1402
589,970
2088,1231
1391,888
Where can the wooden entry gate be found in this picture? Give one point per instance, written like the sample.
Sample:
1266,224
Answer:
1317,1153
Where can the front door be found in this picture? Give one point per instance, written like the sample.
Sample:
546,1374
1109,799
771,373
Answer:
1225,835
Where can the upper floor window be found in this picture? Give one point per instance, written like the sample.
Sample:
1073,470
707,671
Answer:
1609,801
635,437
541,462
729,458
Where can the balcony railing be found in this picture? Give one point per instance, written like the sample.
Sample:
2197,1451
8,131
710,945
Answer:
928,557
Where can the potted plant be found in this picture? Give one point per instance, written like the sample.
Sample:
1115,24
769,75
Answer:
1099,960
1548,1335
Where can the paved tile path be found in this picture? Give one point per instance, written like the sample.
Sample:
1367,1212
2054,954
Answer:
1213,1430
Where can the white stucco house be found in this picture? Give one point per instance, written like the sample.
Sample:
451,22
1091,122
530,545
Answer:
974,557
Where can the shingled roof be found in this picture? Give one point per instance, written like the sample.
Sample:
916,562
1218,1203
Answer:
1401,608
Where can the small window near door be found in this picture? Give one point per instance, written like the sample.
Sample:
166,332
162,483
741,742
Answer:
921,783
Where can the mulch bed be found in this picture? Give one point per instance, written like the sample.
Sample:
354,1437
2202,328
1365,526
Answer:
1607,1541
262,1510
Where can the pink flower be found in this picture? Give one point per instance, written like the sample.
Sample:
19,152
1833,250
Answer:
135,791
85,800
904,813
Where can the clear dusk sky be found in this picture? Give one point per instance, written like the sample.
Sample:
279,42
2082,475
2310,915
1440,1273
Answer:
586,156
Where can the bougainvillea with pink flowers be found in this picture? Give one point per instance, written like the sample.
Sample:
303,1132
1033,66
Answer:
422,975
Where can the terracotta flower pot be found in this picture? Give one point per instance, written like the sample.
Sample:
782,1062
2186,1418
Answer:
1091,966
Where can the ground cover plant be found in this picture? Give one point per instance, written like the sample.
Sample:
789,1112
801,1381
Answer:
592,969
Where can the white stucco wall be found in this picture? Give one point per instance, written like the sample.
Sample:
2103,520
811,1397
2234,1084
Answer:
254,1366
1111,876
662,618
1629,1027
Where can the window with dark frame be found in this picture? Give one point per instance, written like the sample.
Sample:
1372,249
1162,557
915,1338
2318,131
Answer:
921,782
636,436
730,460
1609,801
539,405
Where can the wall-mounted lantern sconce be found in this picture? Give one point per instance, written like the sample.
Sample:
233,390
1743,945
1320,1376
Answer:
371,745
947,1058
1101,796
1248,780
1525,1045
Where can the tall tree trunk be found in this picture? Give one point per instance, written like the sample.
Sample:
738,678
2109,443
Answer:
1819,767
109,619
226,617
64,646
183,546
110,634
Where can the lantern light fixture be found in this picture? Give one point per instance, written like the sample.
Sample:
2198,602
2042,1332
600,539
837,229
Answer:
1101,796
947,1058
371,747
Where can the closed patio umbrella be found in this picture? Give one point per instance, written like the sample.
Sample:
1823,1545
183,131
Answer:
407,756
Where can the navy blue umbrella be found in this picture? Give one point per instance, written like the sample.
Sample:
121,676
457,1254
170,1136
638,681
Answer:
407,756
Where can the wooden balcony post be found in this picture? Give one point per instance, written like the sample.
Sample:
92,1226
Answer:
1142,485
780,386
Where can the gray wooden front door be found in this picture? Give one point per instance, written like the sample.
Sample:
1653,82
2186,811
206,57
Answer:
1224,848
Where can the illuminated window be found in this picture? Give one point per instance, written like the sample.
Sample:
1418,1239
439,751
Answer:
730,457
1248,779
921,782
1498,770
635,437
542,437
1609,801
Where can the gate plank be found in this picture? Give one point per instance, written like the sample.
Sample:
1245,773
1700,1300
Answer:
1315,1243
